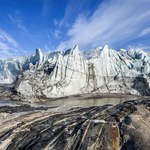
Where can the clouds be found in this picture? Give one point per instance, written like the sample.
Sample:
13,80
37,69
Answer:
88,23
72,9
141,46
144,32
18,22
45,8
6,37
8,46
113,22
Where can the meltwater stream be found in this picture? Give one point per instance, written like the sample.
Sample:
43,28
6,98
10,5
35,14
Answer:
87,102
72,101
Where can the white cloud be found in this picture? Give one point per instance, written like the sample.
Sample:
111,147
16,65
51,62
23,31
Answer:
57,33
8,46
56,22
73,8
113,22
3,47
46,8
140,46
6,37
16,20
144,32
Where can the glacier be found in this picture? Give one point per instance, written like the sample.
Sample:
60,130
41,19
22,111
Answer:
72,72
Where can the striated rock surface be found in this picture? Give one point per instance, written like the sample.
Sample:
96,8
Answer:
121,127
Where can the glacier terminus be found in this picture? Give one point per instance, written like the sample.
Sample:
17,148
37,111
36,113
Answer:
72,72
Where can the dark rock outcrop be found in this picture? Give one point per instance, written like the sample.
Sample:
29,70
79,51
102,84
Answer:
124,126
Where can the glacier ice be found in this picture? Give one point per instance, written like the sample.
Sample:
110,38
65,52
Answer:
10,68
57,74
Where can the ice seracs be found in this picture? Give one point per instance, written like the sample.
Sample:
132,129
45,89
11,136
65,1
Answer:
72,72
10,68
38,57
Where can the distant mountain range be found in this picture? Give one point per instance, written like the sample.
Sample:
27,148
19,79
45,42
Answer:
57,74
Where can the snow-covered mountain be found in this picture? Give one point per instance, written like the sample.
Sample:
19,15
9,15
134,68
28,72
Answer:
57,74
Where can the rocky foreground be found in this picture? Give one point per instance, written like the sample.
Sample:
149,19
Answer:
124,126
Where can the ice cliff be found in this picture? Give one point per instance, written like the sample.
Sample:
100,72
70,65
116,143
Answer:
101,70
10,68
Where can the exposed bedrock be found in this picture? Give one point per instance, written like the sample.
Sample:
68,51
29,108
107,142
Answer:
121,127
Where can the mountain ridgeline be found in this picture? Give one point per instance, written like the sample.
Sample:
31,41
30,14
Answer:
72,72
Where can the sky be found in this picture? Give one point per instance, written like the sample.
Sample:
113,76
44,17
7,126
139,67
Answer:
61,24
